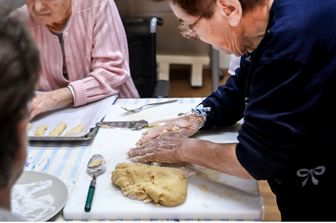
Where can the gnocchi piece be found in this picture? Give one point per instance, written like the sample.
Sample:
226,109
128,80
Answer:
75,131
41,130
58,130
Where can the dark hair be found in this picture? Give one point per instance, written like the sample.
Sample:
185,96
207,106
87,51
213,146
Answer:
205,8
19,65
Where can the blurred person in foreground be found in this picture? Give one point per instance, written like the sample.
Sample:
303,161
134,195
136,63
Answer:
19,63
83,52
284,90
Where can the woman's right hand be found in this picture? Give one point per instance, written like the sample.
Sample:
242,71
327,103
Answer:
38,104
181,127
49,101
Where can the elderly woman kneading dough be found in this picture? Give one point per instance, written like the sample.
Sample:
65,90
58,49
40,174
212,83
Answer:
84,53
284,90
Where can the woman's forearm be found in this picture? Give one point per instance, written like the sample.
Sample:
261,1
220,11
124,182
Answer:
61,98
221,157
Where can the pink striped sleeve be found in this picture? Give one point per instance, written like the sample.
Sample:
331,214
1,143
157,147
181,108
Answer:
109,72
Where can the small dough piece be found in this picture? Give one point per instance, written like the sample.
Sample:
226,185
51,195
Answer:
75,131
162,185
173,129
57,131
41,130
95,163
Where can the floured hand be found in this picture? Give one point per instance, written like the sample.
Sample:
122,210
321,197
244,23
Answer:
163,149
184,126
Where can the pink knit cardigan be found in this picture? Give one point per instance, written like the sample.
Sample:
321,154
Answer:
96,52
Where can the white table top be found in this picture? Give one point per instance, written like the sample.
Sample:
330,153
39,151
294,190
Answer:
211,195
214,196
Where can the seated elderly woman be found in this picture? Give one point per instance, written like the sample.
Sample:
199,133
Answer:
84,52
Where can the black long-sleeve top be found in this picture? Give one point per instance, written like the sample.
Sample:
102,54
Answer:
285,91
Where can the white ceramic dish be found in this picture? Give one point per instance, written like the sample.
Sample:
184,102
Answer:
57,190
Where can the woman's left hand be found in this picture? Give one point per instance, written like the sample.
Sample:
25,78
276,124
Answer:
164,149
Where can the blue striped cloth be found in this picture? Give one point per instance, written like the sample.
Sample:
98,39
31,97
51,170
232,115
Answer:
63,160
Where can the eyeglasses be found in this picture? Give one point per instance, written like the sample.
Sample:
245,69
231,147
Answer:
187,30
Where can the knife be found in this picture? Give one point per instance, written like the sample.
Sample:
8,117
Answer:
134,125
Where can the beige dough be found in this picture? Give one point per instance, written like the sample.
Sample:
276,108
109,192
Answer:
95,163
163,185
41,130
57,131
75,131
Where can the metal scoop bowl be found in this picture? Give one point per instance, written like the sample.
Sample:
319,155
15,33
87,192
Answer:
95,167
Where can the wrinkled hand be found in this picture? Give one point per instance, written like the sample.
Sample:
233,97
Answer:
163,149
39,104
49,101
184,126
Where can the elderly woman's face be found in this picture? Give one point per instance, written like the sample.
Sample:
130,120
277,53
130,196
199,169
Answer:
49,12
215,31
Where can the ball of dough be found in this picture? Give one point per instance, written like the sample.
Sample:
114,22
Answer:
162,185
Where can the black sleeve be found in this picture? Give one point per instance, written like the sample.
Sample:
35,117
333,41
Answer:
228,101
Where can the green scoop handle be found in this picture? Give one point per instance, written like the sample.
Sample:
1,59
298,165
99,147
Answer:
89,197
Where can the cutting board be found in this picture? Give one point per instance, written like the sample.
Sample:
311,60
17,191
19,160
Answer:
211,195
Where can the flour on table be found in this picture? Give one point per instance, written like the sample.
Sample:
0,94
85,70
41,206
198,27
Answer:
203,188
32,201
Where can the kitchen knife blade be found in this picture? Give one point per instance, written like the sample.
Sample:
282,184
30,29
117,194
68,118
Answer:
134,125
